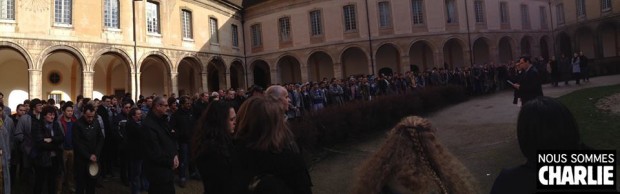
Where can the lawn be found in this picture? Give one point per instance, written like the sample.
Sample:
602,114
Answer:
599,129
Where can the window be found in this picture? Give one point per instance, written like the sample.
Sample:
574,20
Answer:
384,15
111,14
503,12
62,11
479,10
581,8
417,8
543,18
525,16
285,29
315,22
235,35
152,17
350,22
186,22
560,13
605,5
214,32
7,9
256,36
451,11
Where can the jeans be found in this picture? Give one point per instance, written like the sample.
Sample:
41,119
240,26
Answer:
137,180
183,161
68,174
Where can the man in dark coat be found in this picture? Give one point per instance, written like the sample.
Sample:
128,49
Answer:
108,117
87,144
160,149
134,131
182,123
530,84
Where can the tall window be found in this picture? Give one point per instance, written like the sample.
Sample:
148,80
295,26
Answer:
62,11
235,35
315,23
111,14
186,21
581,8
503,12
417,9
451,11
479,9
7,9
384,15
350,22
543,18
560,13
525,16
285,29
214,32
605,5
256,35
152,17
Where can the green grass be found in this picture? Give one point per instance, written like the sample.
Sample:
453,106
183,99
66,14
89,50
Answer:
599,129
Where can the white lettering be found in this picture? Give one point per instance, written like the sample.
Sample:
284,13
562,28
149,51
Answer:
580,175
607,171
541,175
555,175
567,176
591,178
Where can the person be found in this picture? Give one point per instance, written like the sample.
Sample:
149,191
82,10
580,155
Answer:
133,127
412,161
583,65
87,144
576,62
212,147
23,140
6,109
66,122
278,94
554,72
544,123
530,85
46,152
160,149
267,157
6,127
183,122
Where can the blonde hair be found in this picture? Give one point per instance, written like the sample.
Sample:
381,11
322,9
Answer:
412,159
261,125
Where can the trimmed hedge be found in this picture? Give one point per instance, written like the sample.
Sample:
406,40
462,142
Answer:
336,124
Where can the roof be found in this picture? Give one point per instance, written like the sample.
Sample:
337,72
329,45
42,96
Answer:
244,3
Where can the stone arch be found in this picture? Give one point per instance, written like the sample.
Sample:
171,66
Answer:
289,69
116,51
505,49
354,61
156,68
320,65
216,74
564,45
526,46
72,50
388,57
584,41
14,79
66,64
545,46
187,56
421,54
354,46
189,79
453,53
261,73
237,74
20,50
481,51
106,75
608,39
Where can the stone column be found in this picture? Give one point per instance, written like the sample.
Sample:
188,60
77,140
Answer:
134,89
275,77
466,59
304,72
174,76
228,82
404,64
205,85
338,72
493,54
35,77
87,78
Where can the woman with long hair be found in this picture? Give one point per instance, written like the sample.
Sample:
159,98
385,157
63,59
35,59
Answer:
413,161
212,147
269,159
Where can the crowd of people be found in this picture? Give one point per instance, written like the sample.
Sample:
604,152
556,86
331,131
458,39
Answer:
153,144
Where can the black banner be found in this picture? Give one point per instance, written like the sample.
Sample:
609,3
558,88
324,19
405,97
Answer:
577,170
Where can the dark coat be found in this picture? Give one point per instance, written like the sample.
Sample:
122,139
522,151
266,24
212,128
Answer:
134,138
183,122
286,166
42,151
87,140
215,166
521,179
160,148
530,85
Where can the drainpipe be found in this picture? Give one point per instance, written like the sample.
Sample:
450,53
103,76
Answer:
245,57
555,52
372,58
135,50
471,56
